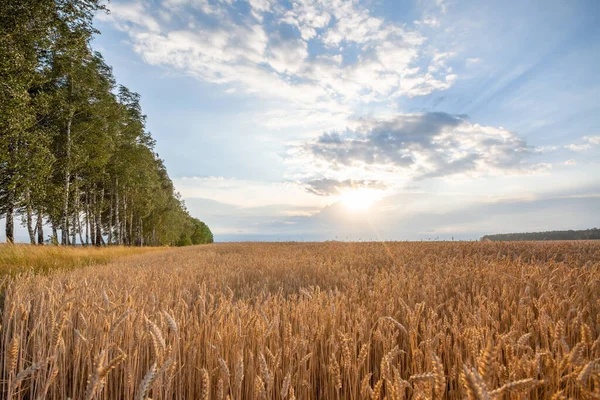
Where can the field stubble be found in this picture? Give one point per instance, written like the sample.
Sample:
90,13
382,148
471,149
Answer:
306,321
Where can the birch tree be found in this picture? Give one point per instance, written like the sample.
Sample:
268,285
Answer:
74,149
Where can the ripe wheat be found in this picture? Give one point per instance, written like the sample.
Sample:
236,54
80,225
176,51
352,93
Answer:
310,321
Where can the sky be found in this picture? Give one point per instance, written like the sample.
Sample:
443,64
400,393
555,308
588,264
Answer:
369,120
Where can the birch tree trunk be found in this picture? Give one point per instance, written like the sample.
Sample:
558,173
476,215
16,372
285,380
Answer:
124,228
141,232
131,238
73,229
99,238
66,182
87,217
110,227
75,211
10,212
92,220
40,228
80,230
54,235
29,216
117,223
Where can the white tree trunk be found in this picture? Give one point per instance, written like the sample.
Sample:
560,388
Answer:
117,223
87,217
74,226
92,219
66,183
99,239
110,226
30,229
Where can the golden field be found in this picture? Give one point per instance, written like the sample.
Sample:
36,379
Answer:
42,259
311,321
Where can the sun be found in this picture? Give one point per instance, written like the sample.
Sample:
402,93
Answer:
359,200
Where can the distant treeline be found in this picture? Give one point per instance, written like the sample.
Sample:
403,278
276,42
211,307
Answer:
588,234
74,151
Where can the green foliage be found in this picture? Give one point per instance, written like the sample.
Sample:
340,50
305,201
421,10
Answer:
201,233
588,234
74,150
184,240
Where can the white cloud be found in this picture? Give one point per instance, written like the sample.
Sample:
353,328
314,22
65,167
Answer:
287,56
588,143
546,149
126,16
578,147
245,193
333,187
592,139
269,57
403,216
308,16
261,5
433,22
441,4
420,146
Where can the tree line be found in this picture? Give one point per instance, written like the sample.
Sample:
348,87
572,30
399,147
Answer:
587,234
75,156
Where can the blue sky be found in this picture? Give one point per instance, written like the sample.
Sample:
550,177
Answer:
375,119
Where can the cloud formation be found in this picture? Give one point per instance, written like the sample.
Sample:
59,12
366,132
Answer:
592,139
424,145
333,187
263,47
468,218
244,193
588,143
333,83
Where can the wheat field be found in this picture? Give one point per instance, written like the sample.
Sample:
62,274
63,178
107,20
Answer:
16,258
310,321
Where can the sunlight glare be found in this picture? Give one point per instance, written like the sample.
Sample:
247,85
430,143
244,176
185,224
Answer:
359,199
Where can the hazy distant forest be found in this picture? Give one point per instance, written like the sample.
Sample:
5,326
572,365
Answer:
75,157
587,234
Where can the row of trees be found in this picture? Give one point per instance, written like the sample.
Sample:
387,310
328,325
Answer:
587,234
74,151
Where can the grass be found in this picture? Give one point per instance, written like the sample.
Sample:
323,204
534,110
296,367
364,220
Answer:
43,259
287,321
